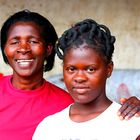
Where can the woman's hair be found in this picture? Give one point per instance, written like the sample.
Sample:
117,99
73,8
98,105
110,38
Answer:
90,32
47,31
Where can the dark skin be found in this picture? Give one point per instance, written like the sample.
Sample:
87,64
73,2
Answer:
26,52
85,77
85,73
138,138
29,44
130,107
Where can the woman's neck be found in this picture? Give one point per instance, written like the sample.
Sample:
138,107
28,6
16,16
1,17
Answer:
27,83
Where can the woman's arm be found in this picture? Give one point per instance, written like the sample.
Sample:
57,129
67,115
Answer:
130,107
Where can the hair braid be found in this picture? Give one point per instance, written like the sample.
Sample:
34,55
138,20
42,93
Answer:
90,32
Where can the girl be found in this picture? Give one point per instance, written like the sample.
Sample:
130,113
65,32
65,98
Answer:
86,50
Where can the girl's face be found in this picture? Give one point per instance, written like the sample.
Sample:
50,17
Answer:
25,49
85,74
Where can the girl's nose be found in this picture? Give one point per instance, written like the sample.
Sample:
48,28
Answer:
80,77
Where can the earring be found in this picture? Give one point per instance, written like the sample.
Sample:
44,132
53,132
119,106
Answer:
108,75
45,62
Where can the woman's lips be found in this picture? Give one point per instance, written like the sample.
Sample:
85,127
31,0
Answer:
24,63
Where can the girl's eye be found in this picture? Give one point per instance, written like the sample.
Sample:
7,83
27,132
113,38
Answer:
91,69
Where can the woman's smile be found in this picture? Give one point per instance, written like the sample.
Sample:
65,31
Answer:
25,63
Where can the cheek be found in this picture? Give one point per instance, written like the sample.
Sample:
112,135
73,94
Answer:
9,51
39,50
97,82
67,79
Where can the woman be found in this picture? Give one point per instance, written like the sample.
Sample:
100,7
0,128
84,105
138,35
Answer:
27,44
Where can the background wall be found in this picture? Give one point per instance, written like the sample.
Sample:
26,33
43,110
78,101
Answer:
121,16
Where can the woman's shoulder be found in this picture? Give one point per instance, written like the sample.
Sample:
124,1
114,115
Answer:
58,94
4,79
55,87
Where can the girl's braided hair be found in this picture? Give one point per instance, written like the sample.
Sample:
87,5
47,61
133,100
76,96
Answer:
90,32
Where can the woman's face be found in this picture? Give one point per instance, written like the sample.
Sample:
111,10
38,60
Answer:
85,74
25,49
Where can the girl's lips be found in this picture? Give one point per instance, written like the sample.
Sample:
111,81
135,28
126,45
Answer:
81,89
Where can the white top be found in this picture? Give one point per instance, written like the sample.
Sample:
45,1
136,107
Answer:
107,126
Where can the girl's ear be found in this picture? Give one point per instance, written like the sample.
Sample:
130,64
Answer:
49,50
110,69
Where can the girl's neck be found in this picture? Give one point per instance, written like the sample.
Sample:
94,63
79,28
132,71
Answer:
85,112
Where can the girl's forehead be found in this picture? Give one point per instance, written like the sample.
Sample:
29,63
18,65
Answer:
87,48
83,54
80,48
82,58
80,53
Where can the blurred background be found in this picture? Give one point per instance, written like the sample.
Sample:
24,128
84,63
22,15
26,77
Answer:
121,16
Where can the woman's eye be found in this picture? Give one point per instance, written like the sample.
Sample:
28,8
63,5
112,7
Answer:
71,69
14,42
33,42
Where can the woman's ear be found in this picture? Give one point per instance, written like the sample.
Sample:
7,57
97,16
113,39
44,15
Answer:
49,50
110,69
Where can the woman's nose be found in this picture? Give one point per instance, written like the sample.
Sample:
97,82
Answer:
23,48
